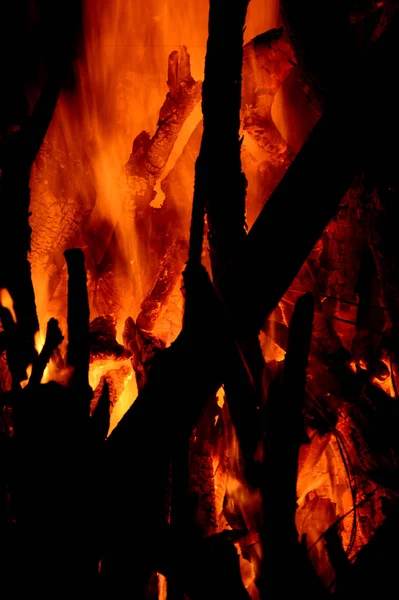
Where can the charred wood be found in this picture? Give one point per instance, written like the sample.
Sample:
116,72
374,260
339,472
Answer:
168,274
149,157
15,272
313,30
103,343
225,188
281,544
332,126
78,354
60,208
143,346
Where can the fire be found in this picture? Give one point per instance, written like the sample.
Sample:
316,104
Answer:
7,302
25,382
78,182
82,195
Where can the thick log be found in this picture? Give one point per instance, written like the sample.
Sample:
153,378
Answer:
115,380
60,207
285,433
78,354
220,191
146,164
149,155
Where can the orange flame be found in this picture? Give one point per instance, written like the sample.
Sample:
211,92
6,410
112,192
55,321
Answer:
7,302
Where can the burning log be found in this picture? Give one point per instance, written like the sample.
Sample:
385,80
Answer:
149,157
245,295
169,272
15,273
115,381
212,195
266,64
267,61
143,347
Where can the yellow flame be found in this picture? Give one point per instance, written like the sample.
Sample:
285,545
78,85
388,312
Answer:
162,587
7,302
125,401
25,382
220,397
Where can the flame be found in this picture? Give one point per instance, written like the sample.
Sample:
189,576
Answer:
121,85
7,302
162,587
25,382
125,401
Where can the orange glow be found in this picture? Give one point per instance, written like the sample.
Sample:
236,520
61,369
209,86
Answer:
125,401
78,180
7,302
83,196
25,382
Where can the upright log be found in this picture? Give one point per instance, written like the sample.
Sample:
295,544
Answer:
285,433
78,356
